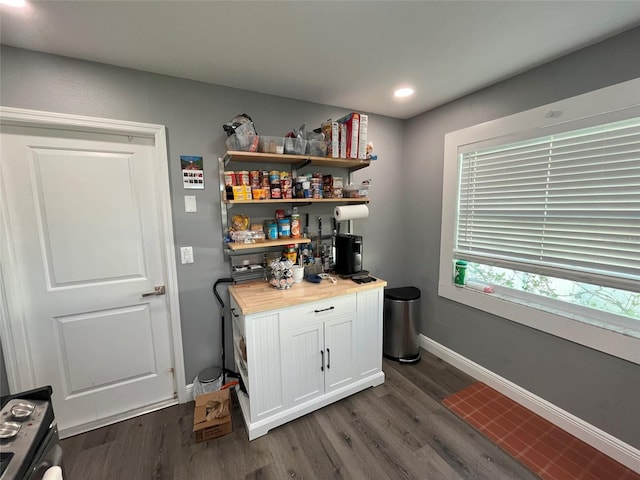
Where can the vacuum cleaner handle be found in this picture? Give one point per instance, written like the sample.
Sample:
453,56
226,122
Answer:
215,292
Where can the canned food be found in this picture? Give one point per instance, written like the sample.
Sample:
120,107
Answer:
229,178
254,178
284,228
272,231
264,178
295,225
242,178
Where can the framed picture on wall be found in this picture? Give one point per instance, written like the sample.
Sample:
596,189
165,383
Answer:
192,172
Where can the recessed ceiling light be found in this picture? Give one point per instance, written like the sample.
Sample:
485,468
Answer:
403,92
14,3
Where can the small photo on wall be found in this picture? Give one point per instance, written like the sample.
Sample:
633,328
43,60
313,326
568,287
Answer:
192,172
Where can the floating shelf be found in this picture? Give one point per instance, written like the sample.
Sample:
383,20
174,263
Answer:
300,200
267,243
300,160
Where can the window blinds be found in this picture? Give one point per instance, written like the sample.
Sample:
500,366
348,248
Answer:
565,205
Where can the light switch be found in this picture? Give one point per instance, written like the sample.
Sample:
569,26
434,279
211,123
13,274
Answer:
190,204
186,255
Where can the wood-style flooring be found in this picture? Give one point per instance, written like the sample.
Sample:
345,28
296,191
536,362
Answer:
398,430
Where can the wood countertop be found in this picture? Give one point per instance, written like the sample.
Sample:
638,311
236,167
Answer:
260,296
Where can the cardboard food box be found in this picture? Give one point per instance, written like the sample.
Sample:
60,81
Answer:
212,415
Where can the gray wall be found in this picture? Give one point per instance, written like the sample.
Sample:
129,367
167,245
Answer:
194,113
596,387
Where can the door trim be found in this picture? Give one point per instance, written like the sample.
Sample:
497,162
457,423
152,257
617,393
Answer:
20,373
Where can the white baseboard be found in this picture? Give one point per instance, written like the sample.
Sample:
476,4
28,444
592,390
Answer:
599,439
189,393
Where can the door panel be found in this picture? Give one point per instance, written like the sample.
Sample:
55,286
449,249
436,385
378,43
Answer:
85,227
303,353
340,346
65,179
88,342
369,333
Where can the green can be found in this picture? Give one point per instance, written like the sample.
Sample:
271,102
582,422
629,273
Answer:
460,273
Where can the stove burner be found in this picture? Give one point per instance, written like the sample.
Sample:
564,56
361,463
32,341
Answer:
9,430
22,410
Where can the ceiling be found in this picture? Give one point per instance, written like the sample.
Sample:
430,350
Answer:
351,54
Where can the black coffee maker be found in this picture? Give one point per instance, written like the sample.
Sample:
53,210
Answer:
348,255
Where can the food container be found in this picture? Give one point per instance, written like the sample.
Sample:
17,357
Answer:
271,144
259,193
272,231
242,143
355,191
282,274
229,178
295,225
242,178
295,146
284,228
317,148
254,178
238,192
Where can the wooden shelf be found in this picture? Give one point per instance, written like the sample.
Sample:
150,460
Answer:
267,243
300,200
300,160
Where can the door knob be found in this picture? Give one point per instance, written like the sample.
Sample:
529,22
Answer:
157,290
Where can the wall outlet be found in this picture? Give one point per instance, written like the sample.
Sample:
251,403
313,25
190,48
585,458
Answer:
186,255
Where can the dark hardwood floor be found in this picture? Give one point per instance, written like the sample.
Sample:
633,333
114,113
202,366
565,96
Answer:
398,430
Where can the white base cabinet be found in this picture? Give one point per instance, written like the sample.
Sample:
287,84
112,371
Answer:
304,357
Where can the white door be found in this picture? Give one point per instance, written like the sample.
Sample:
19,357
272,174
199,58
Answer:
339,342
304,359
84,225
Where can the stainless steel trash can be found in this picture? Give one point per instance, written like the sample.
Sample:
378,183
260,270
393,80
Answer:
401,320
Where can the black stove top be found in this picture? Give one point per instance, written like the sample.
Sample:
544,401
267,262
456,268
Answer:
26,419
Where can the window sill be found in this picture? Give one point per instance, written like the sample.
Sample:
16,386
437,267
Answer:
614,340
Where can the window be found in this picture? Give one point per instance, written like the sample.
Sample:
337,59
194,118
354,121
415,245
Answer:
545,207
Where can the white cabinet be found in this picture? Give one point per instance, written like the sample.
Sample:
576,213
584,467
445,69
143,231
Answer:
368,361
262,370
318,348
303,357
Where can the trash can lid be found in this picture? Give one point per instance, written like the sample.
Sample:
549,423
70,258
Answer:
402,293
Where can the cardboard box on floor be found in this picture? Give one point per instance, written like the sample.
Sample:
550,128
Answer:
212,415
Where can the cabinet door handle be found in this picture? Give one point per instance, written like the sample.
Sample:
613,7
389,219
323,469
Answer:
328,359
324,309
322,360
233,312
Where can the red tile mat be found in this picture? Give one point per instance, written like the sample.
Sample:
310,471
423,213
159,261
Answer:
544,448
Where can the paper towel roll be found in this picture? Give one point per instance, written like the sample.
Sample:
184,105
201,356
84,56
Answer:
350,212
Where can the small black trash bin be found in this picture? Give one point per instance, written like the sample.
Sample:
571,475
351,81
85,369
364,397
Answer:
401,320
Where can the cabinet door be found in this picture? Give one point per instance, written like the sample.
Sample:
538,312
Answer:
369,332
264,363
303,360
339,342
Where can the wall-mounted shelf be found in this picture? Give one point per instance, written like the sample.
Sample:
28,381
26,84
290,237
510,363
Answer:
267,243
299,160
300,200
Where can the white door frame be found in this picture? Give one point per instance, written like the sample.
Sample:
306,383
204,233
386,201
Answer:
20,373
